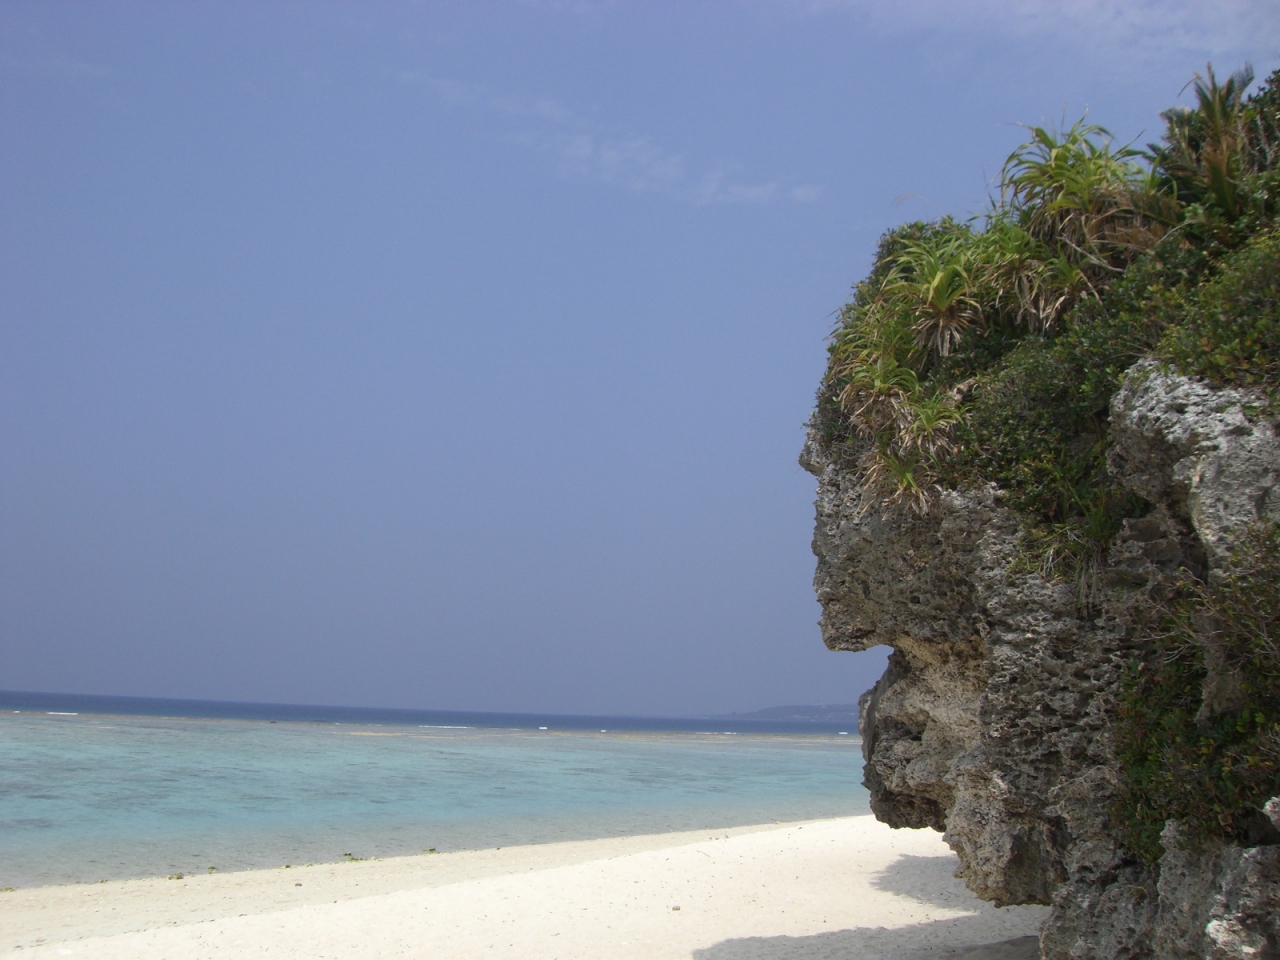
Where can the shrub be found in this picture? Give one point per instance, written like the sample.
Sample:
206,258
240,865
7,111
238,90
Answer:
1181,760
1230,331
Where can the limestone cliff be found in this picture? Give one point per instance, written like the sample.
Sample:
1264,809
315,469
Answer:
993,721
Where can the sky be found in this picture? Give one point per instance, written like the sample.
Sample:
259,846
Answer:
458,355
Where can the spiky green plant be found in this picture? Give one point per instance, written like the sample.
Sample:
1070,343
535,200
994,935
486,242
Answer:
1018,272
1204,153
896,481
1088,201
933,284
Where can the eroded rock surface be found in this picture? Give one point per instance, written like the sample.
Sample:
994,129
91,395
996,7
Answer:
992,721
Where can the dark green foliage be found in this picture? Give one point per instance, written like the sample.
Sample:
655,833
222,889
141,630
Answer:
990,352
1213,772
991,355
1206,154
1037,420
950,312
1230,331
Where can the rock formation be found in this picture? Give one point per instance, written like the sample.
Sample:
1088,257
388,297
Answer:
993,720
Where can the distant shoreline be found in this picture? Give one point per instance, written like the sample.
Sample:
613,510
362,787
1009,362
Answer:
762,721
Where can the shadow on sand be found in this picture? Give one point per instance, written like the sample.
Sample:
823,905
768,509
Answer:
927,880
877,943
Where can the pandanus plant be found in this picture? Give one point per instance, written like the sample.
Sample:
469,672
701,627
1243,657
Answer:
1207,153
901,469
934,283
1021,274
877,386
1091,204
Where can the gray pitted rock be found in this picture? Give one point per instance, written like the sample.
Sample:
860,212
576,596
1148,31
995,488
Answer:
993,719
1220,902
1203,453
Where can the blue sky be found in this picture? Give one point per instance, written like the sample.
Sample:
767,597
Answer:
457,355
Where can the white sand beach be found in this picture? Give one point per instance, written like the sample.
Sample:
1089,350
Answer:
845,888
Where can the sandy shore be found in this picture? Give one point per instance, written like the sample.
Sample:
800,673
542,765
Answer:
847,888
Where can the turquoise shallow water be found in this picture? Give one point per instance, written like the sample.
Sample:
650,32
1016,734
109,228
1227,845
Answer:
86,798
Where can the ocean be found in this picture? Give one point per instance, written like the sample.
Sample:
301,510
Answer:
97,788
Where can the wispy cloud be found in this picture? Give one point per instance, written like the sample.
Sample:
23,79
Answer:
1140,29
579,146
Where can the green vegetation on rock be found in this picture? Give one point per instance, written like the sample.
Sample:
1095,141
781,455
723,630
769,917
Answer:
1230,330
1208,761
989,351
